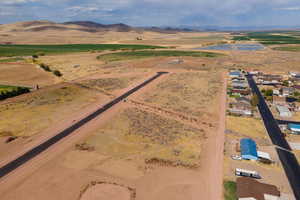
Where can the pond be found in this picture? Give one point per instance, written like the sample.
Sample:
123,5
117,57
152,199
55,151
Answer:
240,47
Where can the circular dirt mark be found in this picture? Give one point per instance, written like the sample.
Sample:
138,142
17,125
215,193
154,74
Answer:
105,192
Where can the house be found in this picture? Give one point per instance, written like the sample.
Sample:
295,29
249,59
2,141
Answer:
277,100
242,92
269,79
283,111
251,189
248,149
295,128
235,74
239,84
243,100
276,92
240,109
287,91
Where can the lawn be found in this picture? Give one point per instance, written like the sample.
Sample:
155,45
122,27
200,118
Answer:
230,190
146,54
270,38
28,50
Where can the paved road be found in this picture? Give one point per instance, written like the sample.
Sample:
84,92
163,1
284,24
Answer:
6,169
287,158
270,123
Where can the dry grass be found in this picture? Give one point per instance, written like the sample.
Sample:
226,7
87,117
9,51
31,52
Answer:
109,84
33,113
136,133
297,154
192,93
25,74
249,127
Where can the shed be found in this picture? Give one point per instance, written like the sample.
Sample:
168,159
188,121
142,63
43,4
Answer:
263,155
294,128
248,149
284,111
234,74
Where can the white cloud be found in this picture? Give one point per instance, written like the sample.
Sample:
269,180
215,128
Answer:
16,1
290,8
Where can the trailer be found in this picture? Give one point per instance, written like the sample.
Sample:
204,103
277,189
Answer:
247,173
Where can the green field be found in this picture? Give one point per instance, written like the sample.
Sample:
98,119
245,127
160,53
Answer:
270,38
28,50
146,54
291,48
7,88
230,190
11,60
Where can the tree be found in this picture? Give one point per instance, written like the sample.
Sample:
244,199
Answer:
285,83
254,100
57,73
269,92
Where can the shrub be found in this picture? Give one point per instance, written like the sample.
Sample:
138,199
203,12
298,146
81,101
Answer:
254,100
45,67
35,56
57,73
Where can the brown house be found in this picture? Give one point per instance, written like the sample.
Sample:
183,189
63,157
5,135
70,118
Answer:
249,188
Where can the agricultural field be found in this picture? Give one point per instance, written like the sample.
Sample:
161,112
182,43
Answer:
191,93
270,38
288,48
7,60
28,50
146,54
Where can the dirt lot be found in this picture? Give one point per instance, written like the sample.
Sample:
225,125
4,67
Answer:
25,74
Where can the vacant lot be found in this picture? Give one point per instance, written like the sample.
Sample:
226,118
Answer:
145,54
25,75
192,93
248,127
142,135
33,113
28,50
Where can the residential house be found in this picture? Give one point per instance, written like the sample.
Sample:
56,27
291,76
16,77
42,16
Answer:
276,92
241,92
269,79
240,109
251,189
239,84
235,74
243,100
287,91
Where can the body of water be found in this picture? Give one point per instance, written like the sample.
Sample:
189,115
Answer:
240,47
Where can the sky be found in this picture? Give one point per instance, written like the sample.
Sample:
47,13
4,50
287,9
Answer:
156,12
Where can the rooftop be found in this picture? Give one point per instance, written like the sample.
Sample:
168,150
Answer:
248,187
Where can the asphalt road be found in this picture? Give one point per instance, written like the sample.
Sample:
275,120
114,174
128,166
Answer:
11,166
287,158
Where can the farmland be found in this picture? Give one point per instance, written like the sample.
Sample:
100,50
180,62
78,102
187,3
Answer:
269,38
288,48
145,54
28,50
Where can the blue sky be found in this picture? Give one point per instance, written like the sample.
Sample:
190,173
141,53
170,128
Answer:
156,12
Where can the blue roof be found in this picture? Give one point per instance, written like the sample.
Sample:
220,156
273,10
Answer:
295,126
235,73
248,149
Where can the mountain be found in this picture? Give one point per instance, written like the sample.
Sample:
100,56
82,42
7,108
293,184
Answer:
93,25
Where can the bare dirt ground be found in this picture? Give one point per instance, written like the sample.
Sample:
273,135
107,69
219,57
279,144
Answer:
139,148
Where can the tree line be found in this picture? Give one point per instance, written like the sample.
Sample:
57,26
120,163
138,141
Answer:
14,92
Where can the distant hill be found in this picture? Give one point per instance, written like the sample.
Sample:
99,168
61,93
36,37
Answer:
108,27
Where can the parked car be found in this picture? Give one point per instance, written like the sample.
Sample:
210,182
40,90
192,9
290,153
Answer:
236,157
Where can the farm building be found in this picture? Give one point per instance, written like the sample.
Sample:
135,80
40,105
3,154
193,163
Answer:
295,128
283,111
248,149
251,189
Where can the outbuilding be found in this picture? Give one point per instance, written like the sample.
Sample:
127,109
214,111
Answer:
235,74
283,111
248,149
295,128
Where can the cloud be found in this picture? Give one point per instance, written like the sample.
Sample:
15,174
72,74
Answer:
155,12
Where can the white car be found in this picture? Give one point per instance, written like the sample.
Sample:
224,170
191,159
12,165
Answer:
236,157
